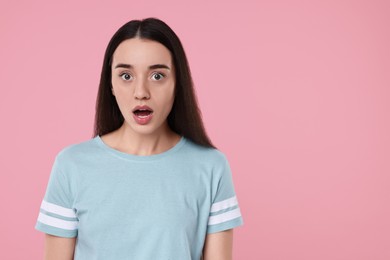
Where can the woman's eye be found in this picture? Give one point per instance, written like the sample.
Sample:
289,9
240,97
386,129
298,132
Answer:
125,76
158,76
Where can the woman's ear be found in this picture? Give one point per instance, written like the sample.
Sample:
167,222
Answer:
112,90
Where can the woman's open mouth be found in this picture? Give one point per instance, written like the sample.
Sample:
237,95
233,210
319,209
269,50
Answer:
142,114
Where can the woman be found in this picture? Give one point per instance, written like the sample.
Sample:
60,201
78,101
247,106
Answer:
149,184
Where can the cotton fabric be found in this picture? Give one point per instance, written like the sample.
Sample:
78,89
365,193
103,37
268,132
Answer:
123,206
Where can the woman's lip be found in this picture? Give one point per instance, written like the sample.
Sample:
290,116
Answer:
144,107
143,120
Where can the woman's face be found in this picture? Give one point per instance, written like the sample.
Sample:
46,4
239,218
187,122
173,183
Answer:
143,81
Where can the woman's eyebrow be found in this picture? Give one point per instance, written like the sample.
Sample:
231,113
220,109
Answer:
155,66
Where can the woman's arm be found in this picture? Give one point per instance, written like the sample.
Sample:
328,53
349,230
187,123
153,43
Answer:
219,246
59,248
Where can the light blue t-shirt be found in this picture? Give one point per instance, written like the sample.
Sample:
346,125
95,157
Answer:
123,206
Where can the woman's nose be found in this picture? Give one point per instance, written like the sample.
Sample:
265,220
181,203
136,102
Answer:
141,90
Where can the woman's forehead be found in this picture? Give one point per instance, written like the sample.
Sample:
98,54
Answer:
141,52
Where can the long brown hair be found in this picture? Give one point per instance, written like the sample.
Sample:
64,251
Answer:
185,117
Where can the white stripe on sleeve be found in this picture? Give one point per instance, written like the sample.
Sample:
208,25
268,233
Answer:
53,208
56,222
226,216
224,204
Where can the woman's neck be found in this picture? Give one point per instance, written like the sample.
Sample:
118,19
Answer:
128,141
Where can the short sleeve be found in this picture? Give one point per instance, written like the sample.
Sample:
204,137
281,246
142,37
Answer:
57,216
225,211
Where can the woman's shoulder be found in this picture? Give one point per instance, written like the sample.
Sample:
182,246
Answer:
207,153
77,149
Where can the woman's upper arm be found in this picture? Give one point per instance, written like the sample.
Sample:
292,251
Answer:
219,246
59,248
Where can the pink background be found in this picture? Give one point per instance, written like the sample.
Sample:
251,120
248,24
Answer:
296,93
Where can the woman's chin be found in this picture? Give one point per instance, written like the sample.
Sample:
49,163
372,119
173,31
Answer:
146,129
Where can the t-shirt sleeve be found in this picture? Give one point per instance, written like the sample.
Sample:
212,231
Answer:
57,215
225,211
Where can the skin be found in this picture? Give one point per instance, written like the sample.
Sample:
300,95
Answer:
59,248
219,246
141,85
